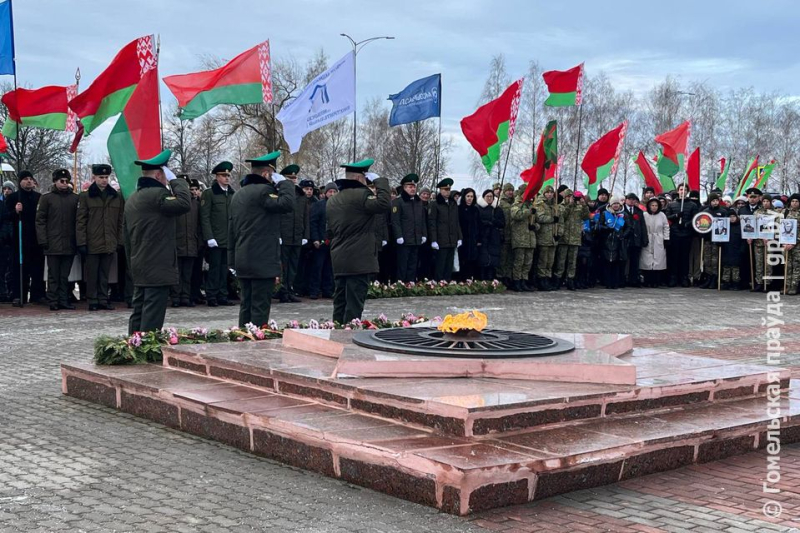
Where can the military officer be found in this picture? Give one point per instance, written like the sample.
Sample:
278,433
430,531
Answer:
294,228
546,238
254,236
149,229
99,234
506,252
444,230
409,227
351,230
523,240
55,231
188,235
572,213
214,212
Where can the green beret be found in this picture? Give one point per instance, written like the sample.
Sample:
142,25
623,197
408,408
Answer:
154,163
61,173
291,169
360,167
268,160
409,178
224,167
447,182
101,170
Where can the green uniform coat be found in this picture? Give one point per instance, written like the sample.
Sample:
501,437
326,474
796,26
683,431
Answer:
55,222
570,218
294,226
214,213
546,211
187,231
99,220
523,234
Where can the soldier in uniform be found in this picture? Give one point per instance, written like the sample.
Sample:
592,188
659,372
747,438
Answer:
300,285
149,229
195,293
546,238
55,231
99,234
793,252
351,231
572,213
188,235
294,228
214,214
506,252
321,277
408,228
523,240
760,246
254,236
444,230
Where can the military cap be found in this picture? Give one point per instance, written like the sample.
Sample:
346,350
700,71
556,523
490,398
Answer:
267,160
753,190
508,187
306,183
409,178
194,183
183,175
290,170
101,170
331,187
25,174
549,188
154,163
713,196
567,191
359,167
631,196
61,173
447,182
521,187
223,168
602,191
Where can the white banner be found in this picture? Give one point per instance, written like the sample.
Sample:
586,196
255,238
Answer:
329,97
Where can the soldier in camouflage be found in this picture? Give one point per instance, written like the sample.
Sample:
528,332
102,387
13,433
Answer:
760,266
506,252
523,240
546,238
792,251
572,212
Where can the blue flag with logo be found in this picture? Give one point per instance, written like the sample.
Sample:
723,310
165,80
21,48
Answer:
420,100
6,39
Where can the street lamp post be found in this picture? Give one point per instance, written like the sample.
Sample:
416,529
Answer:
357,46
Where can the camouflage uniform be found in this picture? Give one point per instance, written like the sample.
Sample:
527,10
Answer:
546,235
571,216
759,252
523,238
792,258
506,252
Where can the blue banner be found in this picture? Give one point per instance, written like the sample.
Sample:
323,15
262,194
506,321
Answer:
6,38
420,100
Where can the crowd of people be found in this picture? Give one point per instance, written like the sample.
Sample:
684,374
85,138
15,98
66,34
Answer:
560,239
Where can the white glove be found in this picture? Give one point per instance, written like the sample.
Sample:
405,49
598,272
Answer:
400,240
169,174
424,240
371,175
233,271
277,178
304,242
383,243
435,245
212,243
280,241
458,244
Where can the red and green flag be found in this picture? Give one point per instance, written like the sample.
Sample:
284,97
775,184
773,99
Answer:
108,94
137,133
764,174
674,144
666,171
3,147
722,179
39,108
246,79
693,170
602,158
493,124
647,174
565,86
546,159
748,178
552,174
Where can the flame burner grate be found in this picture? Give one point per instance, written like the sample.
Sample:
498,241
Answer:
487,344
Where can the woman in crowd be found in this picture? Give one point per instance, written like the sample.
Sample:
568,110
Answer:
469,218
614,229
492,222
653,260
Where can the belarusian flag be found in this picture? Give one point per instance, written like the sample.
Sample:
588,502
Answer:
39,108
553,173
666,171
137,133
647,174
675,144
748,178
493,124
722,180
108,94
693,170
764,173
602,157
546,158
565,86
246,79
3,147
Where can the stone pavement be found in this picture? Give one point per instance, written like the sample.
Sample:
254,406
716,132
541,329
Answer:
67,465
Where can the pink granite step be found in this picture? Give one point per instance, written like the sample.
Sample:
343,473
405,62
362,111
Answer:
457,474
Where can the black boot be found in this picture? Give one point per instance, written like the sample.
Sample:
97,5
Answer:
526,287
555,283
570,284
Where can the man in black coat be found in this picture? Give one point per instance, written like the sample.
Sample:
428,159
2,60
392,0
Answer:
637,240
711,250
293,236
444,229
6,233
680,213
753,204
321,276
409,227
22,208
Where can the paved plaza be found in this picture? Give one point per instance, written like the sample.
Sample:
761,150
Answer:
68,465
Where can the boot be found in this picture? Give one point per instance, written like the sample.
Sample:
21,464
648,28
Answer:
757,288
544,284
514,285
527,287
673,282
570,284
555,283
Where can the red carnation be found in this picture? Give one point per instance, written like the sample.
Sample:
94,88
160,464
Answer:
635,217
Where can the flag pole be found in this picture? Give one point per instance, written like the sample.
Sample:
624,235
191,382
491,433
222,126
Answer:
14,63
274,129
76,182
439,143
505,165
160,114
578,149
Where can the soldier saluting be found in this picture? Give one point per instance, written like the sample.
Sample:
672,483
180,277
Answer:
150,228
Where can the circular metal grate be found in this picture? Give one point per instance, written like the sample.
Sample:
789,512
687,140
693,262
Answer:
488,344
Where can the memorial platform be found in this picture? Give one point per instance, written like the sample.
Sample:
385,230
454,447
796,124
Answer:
493,436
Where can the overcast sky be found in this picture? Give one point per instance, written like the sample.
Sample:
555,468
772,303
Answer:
728,44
